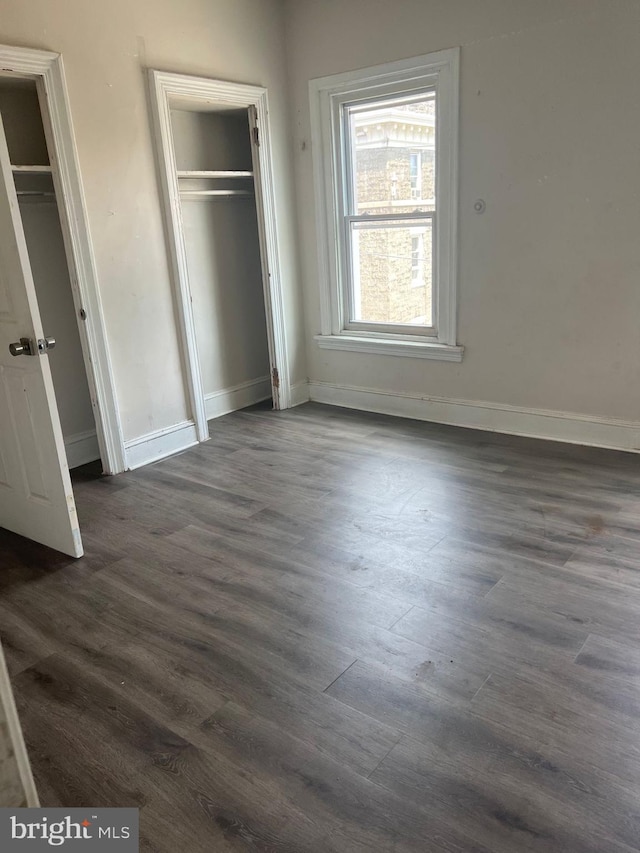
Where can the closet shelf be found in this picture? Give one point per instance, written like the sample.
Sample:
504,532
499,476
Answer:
32,170
216,174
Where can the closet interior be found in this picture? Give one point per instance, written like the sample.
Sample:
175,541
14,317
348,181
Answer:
24,131
220,228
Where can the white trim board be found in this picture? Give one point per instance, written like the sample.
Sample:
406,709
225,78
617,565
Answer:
16,744
159,444
569,427
240,396
47,70
300,393
82,447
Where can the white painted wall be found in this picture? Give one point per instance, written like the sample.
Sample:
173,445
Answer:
106,48
223,252
549,302
211,140
22,122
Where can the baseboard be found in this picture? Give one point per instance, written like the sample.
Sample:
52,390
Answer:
159,444
238,397
570,427
82,448
299,393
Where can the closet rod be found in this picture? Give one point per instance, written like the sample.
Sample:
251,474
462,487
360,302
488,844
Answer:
35,194
220,173
31,170
218,193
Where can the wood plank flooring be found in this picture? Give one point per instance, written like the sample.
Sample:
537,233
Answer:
327,630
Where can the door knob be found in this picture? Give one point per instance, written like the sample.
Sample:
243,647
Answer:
21,347
25,346
45,344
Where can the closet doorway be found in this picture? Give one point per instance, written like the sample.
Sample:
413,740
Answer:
37,123
215,161
47,273
33,179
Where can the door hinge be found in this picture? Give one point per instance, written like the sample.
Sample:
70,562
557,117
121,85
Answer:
256,135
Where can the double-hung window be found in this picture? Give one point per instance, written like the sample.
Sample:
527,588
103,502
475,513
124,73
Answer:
385,160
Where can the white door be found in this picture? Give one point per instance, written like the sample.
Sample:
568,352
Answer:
36,499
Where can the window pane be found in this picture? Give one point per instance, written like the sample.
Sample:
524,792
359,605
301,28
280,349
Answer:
392,153
392,272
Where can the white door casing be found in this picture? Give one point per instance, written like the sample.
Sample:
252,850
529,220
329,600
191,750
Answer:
17,788
36,498
221,94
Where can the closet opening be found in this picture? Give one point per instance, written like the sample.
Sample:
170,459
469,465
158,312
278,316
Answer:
217,194
41,221
213,141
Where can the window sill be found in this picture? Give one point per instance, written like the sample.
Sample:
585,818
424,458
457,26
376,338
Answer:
381,346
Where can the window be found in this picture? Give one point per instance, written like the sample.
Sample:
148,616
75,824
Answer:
383,181
385,160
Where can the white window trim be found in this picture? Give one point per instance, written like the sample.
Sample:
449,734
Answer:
327,94
418,187
418,281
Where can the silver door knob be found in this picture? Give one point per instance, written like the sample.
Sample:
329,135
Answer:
45,344
21,347
25,346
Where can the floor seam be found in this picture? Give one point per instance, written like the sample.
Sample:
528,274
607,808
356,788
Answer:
340,676
384,757
395,621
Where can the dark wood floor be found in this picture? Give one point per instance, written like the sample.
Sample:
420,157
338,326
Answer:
332,631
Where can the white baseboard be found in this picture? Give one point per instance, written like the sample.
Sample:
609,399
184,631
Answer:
569,427
82,448
299,393
238,397
159,444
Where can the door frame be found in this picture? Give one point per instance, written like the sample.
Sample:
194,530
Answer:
47,69
9,711
197,90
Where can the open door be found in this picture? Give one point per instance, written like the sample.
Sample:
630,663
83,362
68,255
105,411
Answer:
36,498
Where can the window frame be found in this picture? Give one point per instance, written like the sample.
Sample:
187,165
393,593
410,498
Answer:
417,263
416,192
349,220
328,98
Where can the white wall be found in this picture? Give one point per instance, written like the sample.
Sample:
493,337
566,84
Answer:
223,252
225,278
549,302
106,48
211,140
22,123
